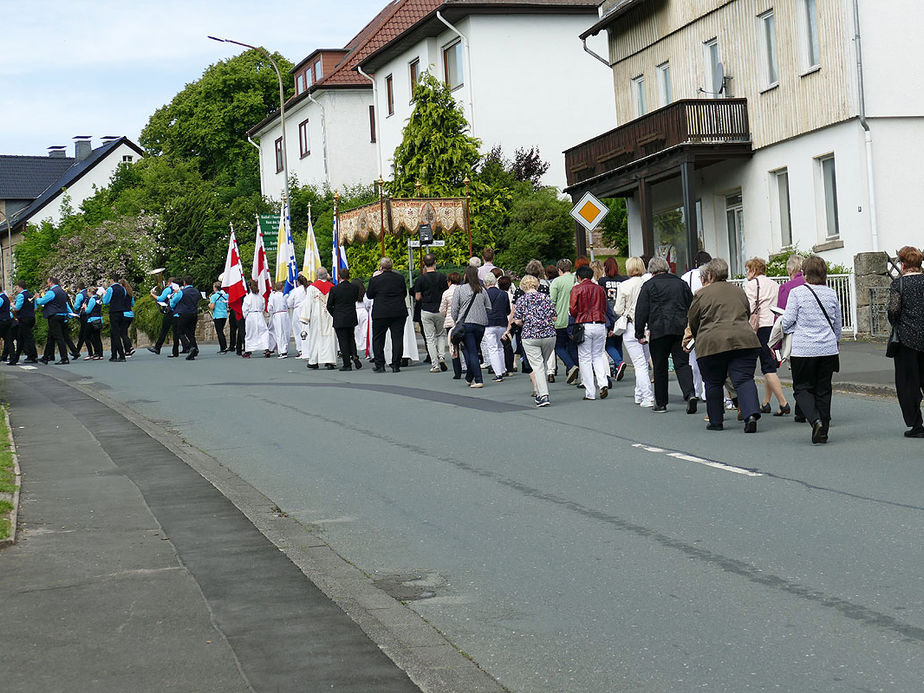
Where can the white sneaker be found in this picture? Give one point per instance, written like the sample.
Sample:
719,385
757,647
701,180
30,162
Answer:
647,404
282,356
638,401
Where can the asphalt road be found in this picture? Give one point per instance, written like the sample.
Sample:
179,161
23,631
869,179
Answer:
589,546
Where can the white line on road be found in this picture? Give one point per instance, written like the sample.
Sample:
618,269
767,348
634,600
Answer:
698,460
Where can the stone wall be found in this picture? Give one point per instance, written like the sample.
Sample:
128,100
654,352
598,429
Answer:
871,270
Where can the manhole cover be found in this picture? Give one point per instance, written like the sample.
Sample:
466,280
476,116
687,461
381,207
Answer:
411,587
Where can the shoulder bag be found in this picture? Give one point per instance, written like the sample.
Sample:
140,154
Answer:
458,332
837,363
894,341
754,318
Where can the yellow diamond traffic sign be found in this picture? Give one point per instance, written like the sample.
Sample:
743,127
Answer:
589,211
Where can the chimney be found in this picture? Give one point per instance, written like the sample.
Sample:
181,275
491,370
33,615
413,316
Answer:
82,147
109,138
58,151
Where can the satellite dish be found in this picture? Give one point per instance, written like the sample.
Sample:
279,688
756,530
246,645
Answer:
718,78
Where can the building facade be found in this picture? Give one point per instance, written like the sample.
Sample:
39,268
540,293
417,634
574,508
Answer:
769,124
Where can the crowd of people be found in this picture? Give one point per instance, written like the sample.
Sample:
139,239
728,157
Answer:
711,333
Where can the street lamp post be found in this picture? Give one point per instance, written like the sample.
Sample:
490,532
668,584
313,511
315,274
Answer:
282,110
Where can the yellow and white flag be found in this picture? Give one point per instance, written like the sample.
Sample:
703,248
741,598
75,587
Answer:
312,262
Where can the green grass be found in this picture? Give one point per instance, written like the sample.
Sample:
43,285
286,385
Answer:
5,508
7,479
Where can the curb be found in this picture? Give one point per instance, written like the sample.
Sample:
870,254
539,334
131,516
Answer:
17,480
850,388
431,661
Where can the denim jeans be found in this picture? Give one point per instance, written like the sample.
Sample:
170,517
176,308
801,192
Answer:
473,336
565,348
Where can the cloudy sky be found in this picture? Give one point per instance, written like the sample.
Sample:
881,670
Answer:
101,67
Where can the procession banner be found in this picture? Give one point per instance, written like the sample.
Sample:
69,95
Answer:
396,215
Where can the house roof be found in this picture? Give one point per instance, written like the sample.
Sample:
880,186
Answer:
452,10
74,172
394,19
27,177
615,12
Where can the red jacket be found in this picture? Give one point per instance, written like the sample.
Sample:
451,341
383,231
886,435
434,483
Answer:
588,302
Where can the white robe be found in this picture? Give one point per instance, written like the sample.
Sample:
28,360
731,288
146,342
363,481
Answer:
410,350
361,332
322,340
294,303
256,335
279,321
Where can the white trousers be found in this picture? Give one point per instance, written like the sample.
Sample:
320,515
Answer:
537,351
592,358
639,355
698,386
434,336
493,349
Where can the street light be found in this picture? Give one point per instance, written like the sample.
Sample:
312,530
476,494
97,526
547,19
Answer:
282,110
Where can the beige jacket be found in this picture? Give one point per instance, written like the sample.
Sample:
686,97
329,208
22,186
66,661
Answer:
627,297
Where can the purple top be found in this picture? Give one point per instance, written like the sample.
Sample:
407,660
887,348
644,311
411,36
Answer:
797,280
537,312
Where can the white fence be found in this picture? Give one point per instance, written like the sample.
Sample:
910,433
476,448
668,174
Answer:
843,285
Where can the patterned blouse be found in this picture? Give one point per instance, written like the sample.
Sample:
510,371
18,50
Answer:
906,310
537,312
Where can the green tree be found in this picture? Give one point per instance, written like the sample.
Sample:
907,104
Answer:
540,227
615,225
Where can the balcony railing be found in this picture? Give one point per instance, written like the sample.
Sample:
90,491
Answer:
691,121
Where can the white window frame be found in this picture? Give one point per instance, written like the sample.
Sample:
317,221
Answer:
766,40
709,68
457,45
781,199
807,16
639,100
828,212
665,89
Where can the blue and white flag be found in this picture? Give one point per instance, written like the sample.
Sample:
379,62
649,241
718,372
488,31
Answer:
338,257
286,267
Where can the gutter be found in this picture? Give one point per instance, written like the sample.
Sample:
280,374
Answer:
867,134
599,57
323,134
468,65
378,129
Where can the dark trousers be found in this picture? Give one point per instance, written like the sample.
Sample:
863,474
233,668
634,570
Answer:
6,334
82,337
909,384
56,330
26,343
167,323
738,366
811,385
614,349
220,332
68,342
381,326
347,341
94,338
184,330
661,348
473,336
126,340
565,349
508,355
117,331
236,331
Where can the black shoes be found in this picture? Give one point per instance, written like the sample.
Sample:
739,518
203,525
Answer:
357,364
659,410
378,369
798,419
395,369
193,354
345,368
117,359
154,350
313,366
750,424
765,408
692,403
784,411
715,427
916,432
819,433
62,362
443,366
329,366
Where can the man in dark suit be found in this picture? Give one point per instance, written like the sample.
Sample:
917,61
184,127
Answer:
389,313
341,304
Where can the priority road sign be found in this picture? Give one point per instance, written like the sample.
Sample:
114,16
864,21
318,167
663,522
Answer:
589,211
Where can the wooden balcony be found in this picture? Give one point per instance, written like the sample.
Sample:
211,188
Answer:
716,128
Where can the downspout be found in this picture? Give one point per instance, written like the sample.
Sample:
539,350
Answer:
323,134
259,161
468,66
867,134
378,129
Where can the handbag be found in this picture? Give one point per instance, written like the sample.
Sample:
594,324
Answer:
754,317
458,332
622,324
837,362
577,333
894,341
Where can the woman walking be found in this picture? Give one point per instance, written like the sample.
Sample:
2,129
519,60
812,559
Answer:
726,346
610,282
813,317
218,304
626,298
455,353
470,306
534,312
906,313
491,345
129,318
763,294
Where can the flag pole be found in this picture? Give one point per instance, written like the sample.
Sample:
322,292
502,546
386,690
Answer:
382,211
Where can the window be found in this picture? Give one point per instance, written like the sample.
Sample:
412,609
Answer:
781,182
713,74
415,74
300,84
304,141
734,221
829,186
452,65
127,158
309,79
638,96
766,38
279,155
318,71
664,83
811,53
390,95
372,124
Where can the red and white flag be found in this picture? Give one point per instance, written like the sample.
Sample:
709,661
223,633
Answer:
232,279
260,272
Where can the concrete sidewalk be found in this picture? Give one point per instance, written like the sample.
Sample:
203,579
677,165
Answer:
865,369
133,573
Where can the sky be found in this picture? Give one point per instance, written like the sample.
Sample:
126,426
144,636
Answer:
102,67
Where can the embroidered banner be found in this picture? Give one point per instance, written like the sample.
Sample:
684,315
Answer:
402,216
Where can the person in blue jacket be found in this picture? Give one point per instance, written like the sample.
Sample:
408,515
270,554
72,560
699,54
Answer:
93,309
129,316
24,308
168,320
80,305
185,306
55,309
118,301
218,304
6,324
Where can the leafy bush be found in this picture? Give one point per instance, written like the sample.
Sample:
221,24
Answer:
776,267
147,316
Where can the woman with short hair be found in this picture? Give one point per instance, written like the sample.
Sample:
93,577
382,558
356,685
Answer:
535,313
763,293
626,298
906,300
813,317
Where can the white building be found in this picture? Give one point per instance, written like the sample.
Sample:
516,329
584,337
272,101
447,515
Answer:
518,71
34,188
763,121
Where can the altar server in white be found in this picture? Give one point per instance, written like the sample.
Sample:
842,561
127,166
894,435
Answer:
256,334
322,340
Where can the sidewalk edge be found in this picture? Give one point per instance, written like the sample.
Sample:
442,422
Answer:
17,480
432,662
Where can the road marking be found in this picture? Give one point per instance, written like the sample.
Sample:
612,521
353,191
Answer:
698,460
29,368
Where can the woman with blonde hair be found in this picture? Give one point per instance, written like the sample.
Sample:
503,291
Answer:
626,298
535,313
763,295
